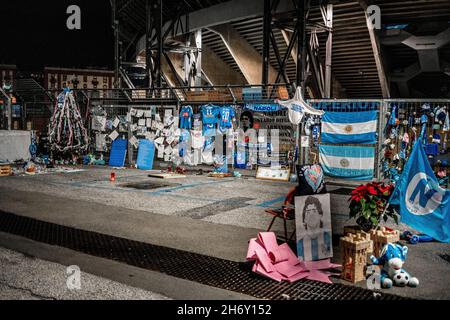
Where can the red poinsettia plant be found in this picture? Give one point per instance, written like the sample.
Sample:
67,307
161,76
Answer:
368,204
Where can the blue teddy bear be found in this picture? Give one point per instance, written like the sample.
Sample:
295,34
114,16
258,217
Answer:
392,258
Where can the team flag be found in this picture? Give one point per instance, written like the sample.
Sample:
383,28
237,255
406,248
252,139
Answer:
349,127
424,205
348,162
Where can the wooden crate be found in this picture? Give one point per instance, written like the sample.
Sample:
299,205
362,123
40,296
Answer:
5,170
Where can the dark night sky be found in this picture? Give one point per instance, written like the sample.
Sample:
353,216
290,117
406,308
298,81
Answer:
36,34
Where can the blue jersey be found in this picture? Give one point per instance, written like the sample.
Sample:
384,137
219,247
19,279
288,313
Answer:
186,117
210,118
226,116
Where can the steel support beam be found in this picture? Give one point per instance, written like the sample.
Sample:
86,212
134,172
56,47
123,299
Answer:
329,51
154,26
115,26
198,61
246,56
234,10
267,21
301,44
376,52
157,6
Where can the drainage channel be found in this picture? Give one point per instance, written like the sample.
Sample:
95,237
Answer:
211,271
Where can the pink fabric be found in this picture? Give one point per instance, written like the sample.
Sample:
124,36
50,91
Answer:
320,265
318,276
268,241
292,258
252,246
280,262
298,276
272,275
264,260
287,269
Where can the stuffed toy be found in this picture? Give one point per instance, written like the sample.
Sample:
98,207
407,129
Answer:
392,258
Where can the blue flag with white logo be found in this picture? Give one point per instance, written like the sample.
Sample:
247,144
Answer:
424,205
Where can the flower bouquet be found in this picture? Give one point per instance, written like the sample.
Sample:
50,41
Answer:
368,204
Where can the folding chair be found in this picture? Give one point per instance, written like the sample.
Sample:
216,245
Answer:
287,212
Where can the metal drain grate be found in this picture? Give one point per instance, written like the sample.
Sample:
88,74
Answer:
220,273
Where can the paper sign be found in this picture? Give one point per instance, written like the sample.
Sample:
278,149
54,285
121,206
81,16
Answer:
304,142
160,153
170,139
116,122
160,140
134,141
148,113
149,135
113,135
167,113
168,150
149,123
157,117
141,122
139,113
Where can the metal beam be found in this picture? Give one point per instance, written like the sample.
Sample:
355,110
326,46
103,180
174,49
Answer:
198,61
246,56
376,52
115,26
267,20
157,12
329,51
301,44
234,10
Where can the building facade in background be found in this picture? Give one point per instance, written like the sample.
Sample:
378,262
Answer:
59,78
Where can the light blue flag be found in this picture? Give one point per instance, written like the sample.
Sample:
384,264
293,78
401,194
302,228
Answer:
347,162
424,205
349,127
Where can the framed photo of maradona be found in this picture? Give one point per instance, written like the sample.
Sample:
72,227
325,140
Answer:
313,227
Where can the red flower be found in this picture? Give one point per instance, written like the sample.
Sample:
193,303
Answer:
372,190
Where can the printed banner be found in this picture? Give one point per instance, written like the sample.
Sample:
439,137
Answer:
263,107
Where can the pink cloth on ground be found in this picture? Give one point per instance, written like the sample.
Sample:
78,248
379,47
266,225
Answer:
280,262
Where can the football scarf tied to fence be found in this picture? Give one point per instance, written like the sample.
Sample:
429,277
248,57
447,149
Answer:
424,205
66,129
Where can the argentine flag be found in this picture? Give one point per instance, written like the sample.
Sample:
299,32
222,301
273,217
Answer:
347,162
349,127
424,205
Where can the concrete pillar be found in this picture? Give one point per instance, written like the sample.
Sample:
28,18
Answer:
246,56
